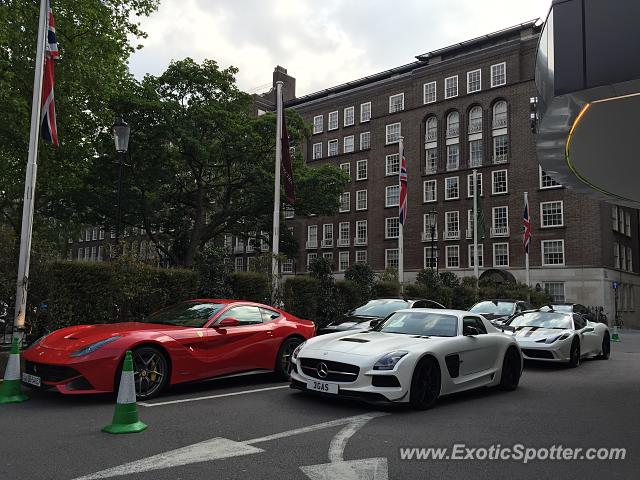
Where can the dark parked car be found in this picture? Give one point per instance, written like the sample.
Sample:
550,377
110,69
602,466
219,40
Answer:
574,308
362,316
497,311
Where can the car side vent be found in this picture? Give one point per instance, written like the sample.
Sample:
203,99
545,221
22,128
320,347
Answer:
354,340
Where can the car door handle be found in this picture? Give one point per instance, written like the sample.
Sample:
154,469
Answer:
270,333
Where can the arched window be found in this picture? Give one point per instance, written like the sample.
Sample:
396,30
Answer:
475,120
500,114
432,130
453,124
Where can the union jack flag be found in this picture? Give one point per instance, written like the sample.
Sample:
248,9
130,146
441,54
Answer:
526,224
402,214
49,129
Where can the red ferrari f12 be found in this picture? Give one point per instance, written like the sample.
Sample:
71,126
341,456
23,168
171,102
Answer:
190,341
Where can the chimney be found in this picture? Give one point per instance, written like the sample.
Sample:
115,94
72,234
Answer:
289,87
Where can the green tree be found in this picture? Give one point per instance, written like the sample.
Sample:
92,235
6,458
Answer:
364,279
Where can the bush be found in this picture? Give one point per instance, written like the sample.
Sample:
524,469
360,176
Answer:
364,278
416,290
301,296
385,288
347,296
252,286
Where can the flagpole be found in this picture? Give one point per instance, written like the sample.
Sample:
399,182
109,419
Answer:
526,254
401,225
476,268
30,182
275,237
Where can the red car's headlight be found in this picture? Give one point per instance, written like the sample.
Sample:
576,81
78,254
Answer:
94,346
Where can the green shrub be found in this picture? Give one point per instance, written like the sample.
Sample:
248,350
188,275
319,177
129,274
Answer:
386,288
301,296
363,277
347,296
416,290
214,268
251,286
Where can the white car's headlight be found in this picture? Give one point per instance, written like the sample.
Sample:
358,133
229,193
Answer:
389,360
295,353
555,338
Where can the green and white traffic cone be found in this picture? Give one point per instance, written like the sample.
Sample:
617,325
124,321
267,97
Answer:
10,389
125,417
615,337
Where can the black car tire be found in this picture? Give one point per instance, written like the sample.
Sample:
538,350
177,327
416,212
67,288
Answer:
425,384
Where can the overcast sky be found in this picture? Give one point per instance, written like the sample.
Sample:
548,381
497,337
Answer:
321,43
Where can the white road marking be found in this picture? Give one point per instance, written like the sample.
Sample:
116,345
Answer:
209,397
220,448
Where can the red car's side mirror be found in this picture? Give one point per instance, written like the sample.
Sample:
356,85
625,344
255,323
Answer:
228,322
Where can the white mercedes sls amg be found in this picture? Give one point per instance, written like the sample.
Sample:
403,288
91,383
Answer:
413,356
549,335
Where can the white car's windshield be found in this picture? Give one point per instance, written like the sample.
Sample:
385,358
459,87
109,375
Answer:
542,320
421,323
493,307
380,308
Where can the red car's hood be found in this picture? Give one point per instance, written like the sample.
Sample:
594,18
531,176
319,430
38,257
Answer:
73,338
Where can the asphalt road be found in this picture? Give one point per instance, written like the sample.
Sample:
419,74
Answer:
53,437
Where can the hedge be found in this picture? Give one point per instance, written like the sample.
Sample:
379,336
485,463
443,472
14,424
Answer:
301,296
251,286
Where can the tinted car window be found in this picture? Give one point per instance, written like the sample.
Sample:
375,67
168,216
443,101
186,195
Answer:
268,315
188,314
426,304
474,322
542,319
245,314
380,308
578,321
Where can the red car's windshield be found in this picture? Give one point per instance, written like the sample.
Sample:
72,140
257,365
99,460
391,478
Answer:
189,314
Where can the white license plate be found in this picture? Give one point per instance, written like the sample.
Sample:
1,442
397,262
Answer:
322,387
31,379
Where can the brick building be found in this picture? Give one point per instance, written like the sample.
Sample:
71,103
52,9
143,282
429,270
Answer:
461,107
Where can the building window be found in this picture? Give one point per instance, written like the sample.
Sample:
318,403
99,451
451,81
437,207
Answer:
87,234
361,232
552,252
620,220
391,258
365,112
614,218
429,92
499,182
474,83
312,236
365,140
453,256
289,212
451,87
475,120
551,214
627,224
500,221
361,200
500,254
392,196
343,261
392,164
332,148
470,185
361,170
616,255
333,121
101,235
480,256
393,133
453,124
310,258
453,157
345,202
430,192
500,149
94,233
555,290
629,260
396,103
451,190
349,116
546,181
361,256
348,144
239,264
500,114
431,161
498,74
317,151
80,253
318,123
344,234
430,257
475,153
432,130
426,227
452,225
623,257
391,227
287,266
327,235
346,168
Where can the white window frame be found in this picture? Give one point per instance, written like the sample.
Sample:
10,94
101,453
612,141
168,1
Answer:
541,173
310,257
361,225
368,136
555,298
447,249
453,214
387,170
426,94
542,252
346,168
316,153
344,144
312,239
239,264
479,72
365,118
450,167
542,222
318,126
359,198
480,255
387,254
495,263
493,182
494,74
493,217
366,169
330,121
470,185
345,115
360,256
387,222
347,196
446,188
387,135
341,260
330,143
454,77
425,199
391,98
388,189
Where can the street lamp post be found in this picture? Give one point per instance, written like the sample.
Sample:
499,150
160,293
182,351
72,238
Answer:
433,218
121,132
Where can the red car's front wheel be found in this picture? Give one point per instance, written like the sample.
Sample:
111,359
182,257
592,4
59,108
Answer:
150,372
283,362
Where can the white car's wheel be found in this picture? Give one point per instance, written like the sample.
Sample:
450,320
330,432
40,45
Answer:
606,347
425,384
574,355
511,370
